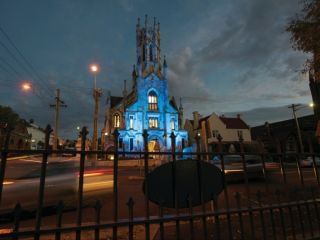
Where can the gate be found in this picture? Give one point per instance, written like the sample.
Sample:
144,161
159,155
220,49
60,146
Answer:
283,204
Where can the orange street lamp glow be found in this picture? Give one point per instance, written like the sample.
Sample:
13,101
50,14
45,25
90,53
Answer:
26,86
94,68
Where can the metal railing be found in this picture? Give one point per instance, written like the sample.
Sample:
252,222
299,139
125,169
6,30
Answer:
289,211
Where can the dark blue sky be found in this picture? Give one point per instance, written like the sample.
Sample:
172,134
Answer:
224,56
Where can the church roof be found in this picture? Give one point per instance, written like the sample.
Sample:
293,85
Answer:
234,123
114,101
173,103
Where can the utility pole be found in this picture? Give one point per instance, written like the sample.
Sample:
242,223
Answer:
96,95
295,108
58,103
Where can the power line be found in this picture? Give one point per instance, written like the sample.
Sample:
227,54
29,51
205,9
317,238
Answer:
10,66
33,72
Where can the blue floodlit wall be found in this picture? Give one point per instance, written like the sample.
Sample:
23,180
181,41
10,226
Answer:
148,75
140,113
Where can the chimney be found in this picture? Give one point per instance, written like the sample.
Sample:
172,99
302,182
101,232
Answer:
238,116
196,116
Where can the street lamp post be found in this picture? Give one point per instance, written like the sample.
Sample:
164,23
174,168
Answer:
96,96
295,108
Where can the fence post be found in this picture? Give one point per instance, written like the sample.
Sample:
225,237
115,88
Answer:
4,155
83,133
263,154
115,182
314,163
174,183
97,208
146,171
280,158
130,205
225,186
16,220
42,182
60,208
244,165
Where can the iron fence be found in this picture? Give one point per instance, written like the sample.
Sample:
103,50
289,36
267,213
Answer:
288,211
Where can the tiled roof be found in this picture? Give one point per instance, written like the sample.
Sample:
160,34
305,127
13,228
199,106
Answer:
204,118
234,123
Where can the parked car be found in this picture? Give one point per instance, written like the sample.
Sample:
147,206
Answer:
71,153
61,183
308,161
233,166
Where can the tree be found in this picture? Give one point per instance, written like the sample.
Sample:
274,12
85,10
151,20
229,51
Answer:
8,118
305,34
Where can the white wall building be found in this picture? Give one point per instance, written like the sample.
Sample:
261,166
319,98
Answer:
212,126
37,136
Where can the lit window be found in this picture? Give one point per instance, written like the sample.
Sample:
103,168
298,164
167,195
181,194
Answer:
116,120
131,122
172,123
153,101
153,122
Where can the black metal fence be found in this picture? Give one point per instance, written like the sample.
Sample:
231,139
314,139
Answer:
283,204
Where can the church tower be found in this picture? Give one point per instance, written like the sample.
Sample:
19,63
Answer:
148,47
147,106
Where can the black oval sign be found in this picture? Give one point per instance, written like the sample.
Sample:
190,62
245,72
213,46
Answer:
184,176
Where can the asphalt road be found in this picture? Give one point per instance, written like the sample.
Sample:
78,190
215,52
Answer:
130,185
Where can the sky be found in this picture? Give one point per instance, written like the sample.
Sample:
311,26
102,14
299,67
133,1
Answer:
223,56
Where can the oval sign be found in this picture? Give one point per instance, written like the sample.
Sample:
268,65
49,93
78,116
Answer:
161,182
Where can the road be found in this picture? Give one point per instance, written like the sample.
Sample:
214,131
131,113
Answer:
130,185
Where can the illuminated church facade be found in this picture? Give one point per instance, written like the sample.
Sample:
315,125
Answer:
147,106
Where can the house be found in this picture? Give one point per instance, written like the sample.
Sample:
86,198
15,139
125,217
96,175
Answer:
285,133
212,127
20,139
37,135
147,106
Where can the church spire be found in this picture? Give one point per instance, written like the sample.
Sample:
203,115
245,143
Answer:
148,46
165,68
134,77
180,104
180,116
146,21
124,89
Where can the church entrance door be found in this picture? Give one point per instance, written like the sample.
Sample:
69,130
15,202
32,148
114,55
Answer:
154,145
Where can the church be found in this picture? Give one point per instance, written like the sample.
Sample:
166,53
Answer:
147,106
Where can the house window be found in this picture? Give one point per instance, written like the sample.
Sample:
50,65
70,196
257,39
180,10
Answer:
172,124
215,133
116,120
131,144
153,101
153,122
240,134
131,122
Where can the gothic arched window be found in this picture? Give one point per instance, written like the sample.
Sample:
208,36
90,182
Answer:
116,120
153,101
